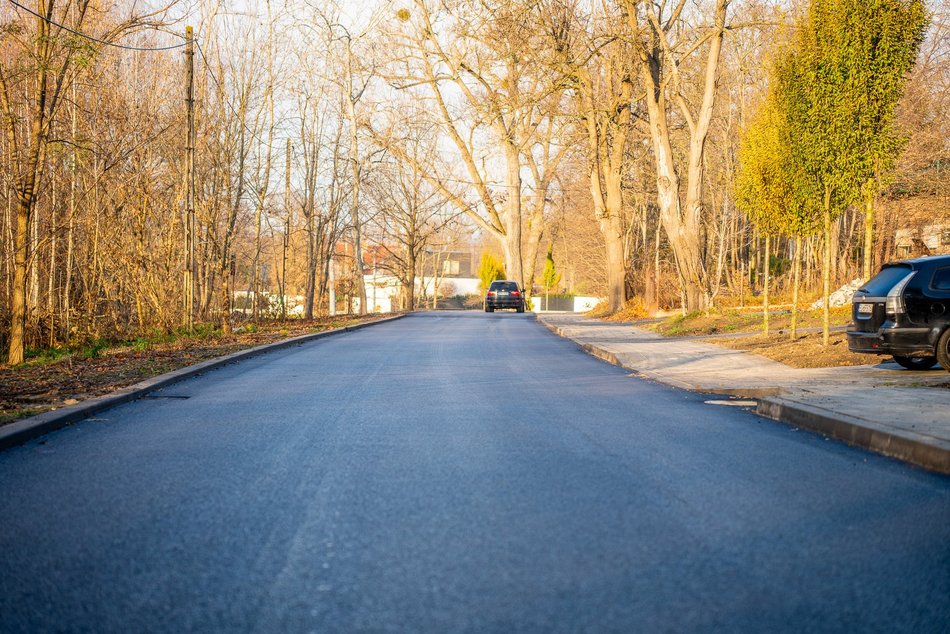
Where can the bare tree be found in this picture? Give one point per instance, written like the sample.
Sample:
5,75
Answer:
665,44
410,211
44,70
598,66
474,62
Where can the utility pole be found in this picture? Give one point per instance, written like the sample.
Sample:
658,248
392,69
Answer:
190,181
355,165
283,265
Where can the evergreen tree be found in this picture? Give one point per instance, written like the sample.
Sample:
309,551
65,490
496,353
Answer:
490,269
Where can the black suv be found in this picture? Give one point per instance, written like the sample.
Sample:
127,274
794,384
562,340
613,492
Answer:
904,311
504,294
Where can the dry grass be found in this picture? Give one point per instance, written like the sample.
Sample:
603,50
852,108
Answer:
633,310
732,321
805,351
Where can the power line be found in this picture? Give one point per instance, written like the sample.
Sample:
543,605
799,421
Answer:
224,97
140,48
95,39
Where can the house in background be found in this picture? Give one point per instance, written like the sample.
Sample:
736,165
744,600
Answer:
913,226
922,240
443,278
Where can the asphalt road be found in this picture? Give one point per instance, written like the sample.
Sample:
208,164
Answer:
459,472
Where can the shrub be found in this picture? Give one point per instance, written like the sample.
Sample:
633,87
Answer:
489,270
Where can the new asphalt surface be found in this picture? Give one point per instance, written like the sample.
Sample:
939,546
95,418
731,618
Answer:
880,406
459,472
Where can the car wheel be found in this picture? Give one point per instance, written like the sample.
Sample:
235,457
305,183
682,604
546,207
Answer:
943,350
916,363
520,308
489,309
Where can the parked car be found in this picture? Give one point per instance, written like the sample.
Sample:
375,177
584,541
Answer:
904,311
504,294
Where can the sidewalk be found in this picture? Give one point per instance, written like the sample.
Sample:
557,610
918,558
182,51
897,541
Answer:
880,407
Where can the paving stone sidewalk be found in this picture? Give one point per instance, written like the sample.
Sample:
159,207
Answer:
882,407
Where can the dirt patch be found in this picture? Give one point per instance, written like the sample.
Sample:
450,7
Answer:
40,386
805,351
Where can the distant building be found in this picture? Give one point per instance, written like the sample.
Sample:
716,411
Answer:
921,240
913,227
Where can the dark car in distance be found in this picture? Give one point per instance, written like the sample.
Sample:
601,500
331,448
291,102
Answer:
904,311
504,294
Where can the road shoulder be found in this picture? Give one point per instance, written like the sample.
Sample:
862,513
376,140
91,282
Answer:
27,429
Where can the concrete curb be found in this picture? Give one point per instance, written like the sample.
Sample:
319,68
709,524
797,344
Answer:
920,450
29,428
917,449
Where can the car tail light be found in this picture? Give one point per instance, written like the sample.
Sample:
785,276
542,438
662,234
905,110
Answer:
516,293
491,293
895,297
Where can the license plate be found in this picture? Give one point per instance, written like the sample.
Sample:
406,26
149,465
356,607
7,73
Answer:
503,293
865,309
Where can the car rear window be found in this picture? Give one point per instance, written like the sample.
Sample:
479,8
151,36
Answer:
503,286
941,281
880,284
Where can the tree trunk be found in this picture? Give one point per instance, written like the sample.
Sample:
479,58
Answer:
331,285
20,259
683,231
8,250
868,232
53,260
225,299
311,285
33,296
256,282
411,282
533,243
765,284
514,264
286,236
616,263
608,208
793,329
70,231
656,264
681,216
826,270
612,231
